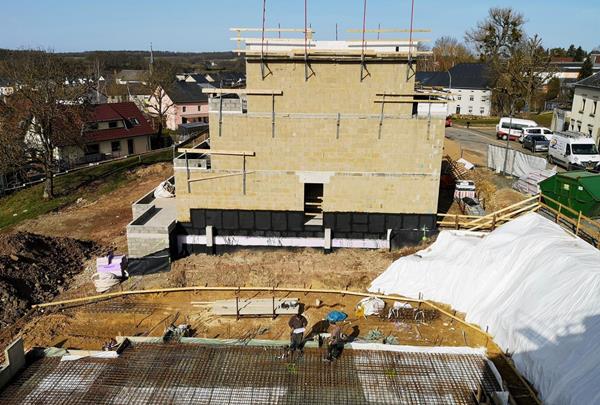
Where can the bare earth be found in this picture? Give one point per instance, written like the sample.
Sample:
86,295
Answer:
103,221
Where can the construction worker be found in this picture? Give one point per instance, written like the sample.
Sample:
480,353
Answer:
335,344
297,324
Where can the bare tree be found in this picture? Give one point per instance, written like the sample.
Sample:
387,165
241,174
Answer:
499,34
160,79
448,52
47,110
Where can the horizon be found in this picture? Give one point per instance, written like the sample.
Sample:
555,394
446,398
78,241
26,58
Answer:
72,30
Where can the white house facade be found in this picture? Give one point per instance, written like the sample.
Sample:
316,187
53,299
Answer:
585,113
467,86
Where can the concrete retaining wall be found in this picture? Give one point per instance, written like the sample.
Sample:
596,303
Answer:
15,361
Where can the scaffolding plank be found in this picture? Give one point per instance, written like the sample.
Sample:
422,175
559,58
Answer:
256,307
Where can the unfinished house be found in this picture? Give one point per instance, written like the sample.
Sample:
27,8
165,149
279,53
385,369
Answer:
328,146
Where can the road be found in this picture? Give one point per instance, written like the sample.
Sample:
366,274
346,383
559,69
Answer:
479,139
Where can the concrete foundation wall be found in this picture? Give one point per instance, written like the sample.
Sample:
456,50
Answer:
15,361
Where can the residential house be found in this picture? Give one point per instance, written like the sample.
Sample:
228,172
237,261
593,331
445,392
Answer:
114,130
585,112
468,86
183,102
226,79
137,93
200,79
129,76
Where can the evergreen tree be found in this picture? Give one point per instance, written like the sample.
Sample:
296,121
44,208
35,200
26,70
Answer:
587,69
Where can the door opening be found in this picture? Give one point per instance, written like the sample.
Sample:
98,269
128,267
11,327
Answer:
313,204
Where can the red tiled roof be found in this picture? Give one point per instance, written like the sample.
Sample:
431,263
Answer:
118,111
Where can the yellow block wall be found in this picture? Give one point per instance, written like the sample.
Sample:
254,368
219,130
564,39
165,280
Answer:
397,172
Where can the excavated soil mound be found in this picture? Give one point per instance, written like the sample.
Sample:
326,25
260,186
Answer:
34,268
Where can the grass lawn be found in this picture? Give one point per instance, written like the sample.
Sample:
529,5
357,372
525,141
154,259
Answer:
86,183
544,119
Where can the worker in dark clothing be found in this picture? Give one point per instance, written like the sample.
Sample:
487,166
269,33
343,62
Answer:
336,343
298,325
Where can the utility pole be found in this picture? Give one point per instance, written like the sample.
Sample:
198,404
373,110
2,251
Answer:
151,58
508,137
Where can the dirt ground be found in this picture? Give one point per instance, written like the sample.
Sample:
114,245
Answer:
33,268
104,220
495,190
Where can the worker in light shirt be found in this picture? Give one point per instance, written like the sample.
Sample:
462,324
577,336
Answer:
298,325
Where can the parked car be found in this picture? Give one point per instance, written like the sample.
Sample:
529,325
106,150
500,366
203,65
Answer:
448,121
573,150
512,128
536,131
536,143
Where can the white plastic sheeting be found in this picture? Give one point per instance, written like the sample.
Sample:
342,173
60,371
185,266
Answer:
534,285
529,183
518,164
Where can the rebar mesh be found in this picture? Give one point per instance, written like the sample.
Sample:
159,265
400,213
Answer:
210,374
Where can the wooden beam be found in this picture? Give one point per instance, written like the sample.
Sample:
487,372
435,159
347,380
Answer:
215,152
407,94
411,101
406,41
340,52
250,92
271,30
385,30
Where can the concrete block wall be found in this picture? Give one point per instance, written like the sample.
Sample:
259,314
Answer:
145,238
365,167
335,87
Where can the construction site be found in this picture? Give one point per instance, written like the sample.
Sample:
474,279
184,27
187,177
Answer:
324,191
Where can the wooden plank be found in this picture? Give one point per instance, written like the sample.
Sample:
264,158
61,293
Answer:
390,40
250,92
407,94
331,52
271,30
411,101
216,152
385,30
256,307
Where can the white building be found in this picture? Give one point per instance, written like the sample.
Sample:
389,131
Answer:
467,85
6,89
585,113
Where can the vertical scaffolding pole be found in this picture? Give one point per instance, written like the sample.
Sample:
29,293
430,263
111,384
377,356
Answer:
381,116
410,41
362,54
262,42
305,40
244,174
273,115
220,113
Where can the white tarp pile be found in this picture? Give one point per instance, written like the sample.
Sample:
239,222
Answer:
534,285
164,190
529,183
518,164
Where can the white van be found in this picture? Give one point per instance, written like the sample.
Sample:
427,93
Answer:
547,132
512,127
573,150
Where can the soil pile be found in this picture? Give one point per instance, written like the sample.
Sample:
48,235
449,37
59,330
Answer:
34,268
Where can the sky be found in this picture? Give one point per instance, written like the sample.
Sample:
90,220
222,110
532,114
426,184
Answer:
196,26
